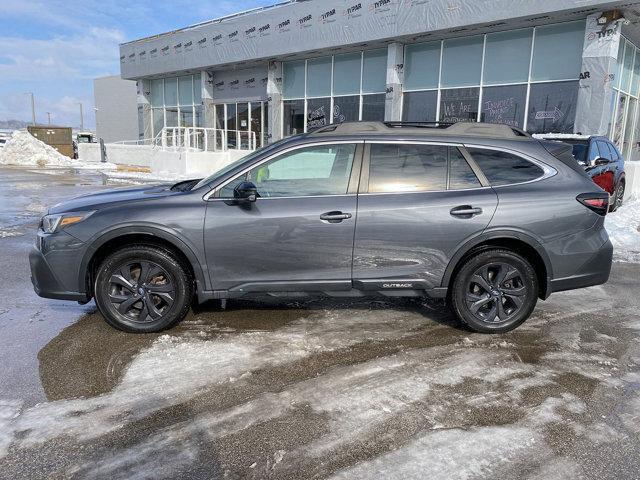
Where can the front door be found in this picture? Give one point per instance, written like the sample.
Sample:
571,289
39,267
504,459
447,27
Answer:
418,203
298,235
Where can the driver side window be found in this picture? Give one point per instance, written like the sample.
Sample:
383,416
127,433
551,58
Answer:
305,172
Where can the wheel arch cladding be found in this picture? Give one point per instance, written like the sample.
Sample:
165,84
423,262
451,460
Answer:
117,239
528,248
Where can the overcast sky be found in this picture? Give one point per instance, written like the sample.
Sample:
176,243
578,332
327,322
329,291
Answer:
55,48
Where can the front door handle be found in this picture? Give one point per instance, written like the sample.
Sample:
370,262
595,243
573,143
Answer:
465,211
335,217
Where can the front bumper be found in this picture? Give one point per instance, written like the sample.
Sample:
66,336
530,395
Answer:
54,266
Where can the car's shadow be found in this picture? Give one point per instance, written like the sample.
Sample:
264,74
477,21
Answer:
88,358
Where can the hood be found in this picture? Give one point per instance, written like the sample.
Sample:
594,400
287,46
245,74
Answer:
95,201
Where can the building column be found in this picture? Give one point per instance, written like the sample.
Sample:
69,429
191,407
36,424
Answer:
145,121
274,98
395,80
206,87
599,69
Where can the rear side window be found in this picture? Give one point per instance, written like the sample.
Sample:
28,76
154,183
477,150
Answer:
395,168
605,151
615,154
502,168
594,153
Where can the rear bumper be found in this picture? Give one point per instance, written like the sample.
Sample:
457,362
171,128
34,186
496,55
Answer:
45,282
594,271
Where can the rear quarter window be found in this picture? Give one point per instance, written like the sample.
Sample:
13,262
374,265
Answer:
502,168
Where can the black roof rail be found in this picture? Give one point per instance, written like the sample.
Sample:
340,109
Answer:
468,129
418,124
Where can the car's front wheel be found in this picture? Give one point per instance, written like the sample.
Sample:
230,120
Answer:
143,289
494,291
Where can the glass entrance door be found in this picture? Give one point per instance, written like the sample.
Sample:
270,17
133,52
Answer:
244,125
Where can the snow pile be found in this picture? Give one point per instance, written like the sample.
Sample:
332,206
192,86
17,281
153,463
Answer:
623,227
23,149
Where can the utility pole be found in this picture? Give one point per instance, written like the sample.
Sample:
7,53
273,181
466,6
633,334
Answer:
49,117
33,108
81,118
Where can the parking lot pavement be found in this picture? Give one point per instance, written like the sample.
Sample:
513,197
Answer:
313,388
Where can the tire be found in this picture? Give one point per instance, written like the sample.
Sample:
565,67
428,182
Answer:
485,305
156,302
618,197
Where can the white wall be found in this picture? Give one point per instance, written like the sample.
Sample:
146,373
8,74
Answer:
179,163
632,171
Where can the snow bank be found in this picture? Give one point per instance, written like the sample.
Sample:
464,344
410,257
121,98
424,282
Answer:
623,227
23,149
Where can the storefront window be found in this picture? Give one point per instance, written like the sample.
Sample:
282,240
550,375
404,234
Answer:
505,105
552,107
171,92
507,57
422,66
293,118
373,108
374,71
185,90
318,113
347,70
293,81
618,123
627,67
557,52
346,109
420,106
157,93
459,105
319,77
186,117
462,62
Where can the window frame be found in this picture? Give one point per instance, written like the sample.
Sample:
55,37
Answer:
366,163
352,184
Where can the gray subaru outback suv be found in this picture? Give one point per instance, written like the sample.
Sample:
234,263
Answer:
482,215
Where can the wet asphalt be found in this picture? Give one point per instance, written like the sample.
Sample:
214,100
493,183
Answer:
311,388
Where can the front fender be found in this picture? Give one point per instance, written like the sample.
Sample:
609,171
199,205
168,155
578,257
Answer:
171,236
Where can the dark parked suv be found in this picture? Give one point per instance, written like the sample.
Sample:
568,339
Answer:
601,160
481,214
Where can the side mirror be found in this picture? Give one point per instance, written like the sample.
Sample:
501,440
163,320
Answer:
600,161
245,192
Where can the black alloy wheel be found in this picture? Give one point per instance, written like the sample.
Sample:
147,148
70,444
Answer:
618,197
143,289
494,291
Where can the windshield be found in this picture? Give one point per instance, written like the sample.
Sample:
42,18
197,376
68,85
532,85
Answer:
233,165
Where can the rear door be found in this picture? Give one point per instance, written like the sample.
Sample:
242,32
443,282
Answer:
418,203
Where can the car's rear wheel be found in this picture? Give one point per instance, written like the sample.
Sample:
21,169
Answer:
494,291
143,289
618,197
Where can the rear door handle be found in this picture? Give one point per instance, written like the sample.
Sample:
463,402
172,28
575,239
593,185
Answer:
465,211
335,217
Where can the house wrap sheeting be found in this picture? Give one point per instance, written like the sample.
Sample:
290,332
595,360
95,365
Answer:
307,26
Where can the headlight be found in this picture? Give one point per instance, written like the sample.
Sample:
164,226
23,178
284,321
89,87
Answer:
52,223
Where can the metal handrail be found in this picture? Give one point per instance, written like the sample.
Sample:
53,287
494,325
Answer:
206,139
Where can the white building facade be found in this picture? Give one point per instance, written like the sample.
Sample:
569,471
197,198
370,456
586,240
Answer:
539,65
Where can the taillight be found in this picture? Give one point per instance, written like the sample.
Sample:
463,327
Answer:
597,202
